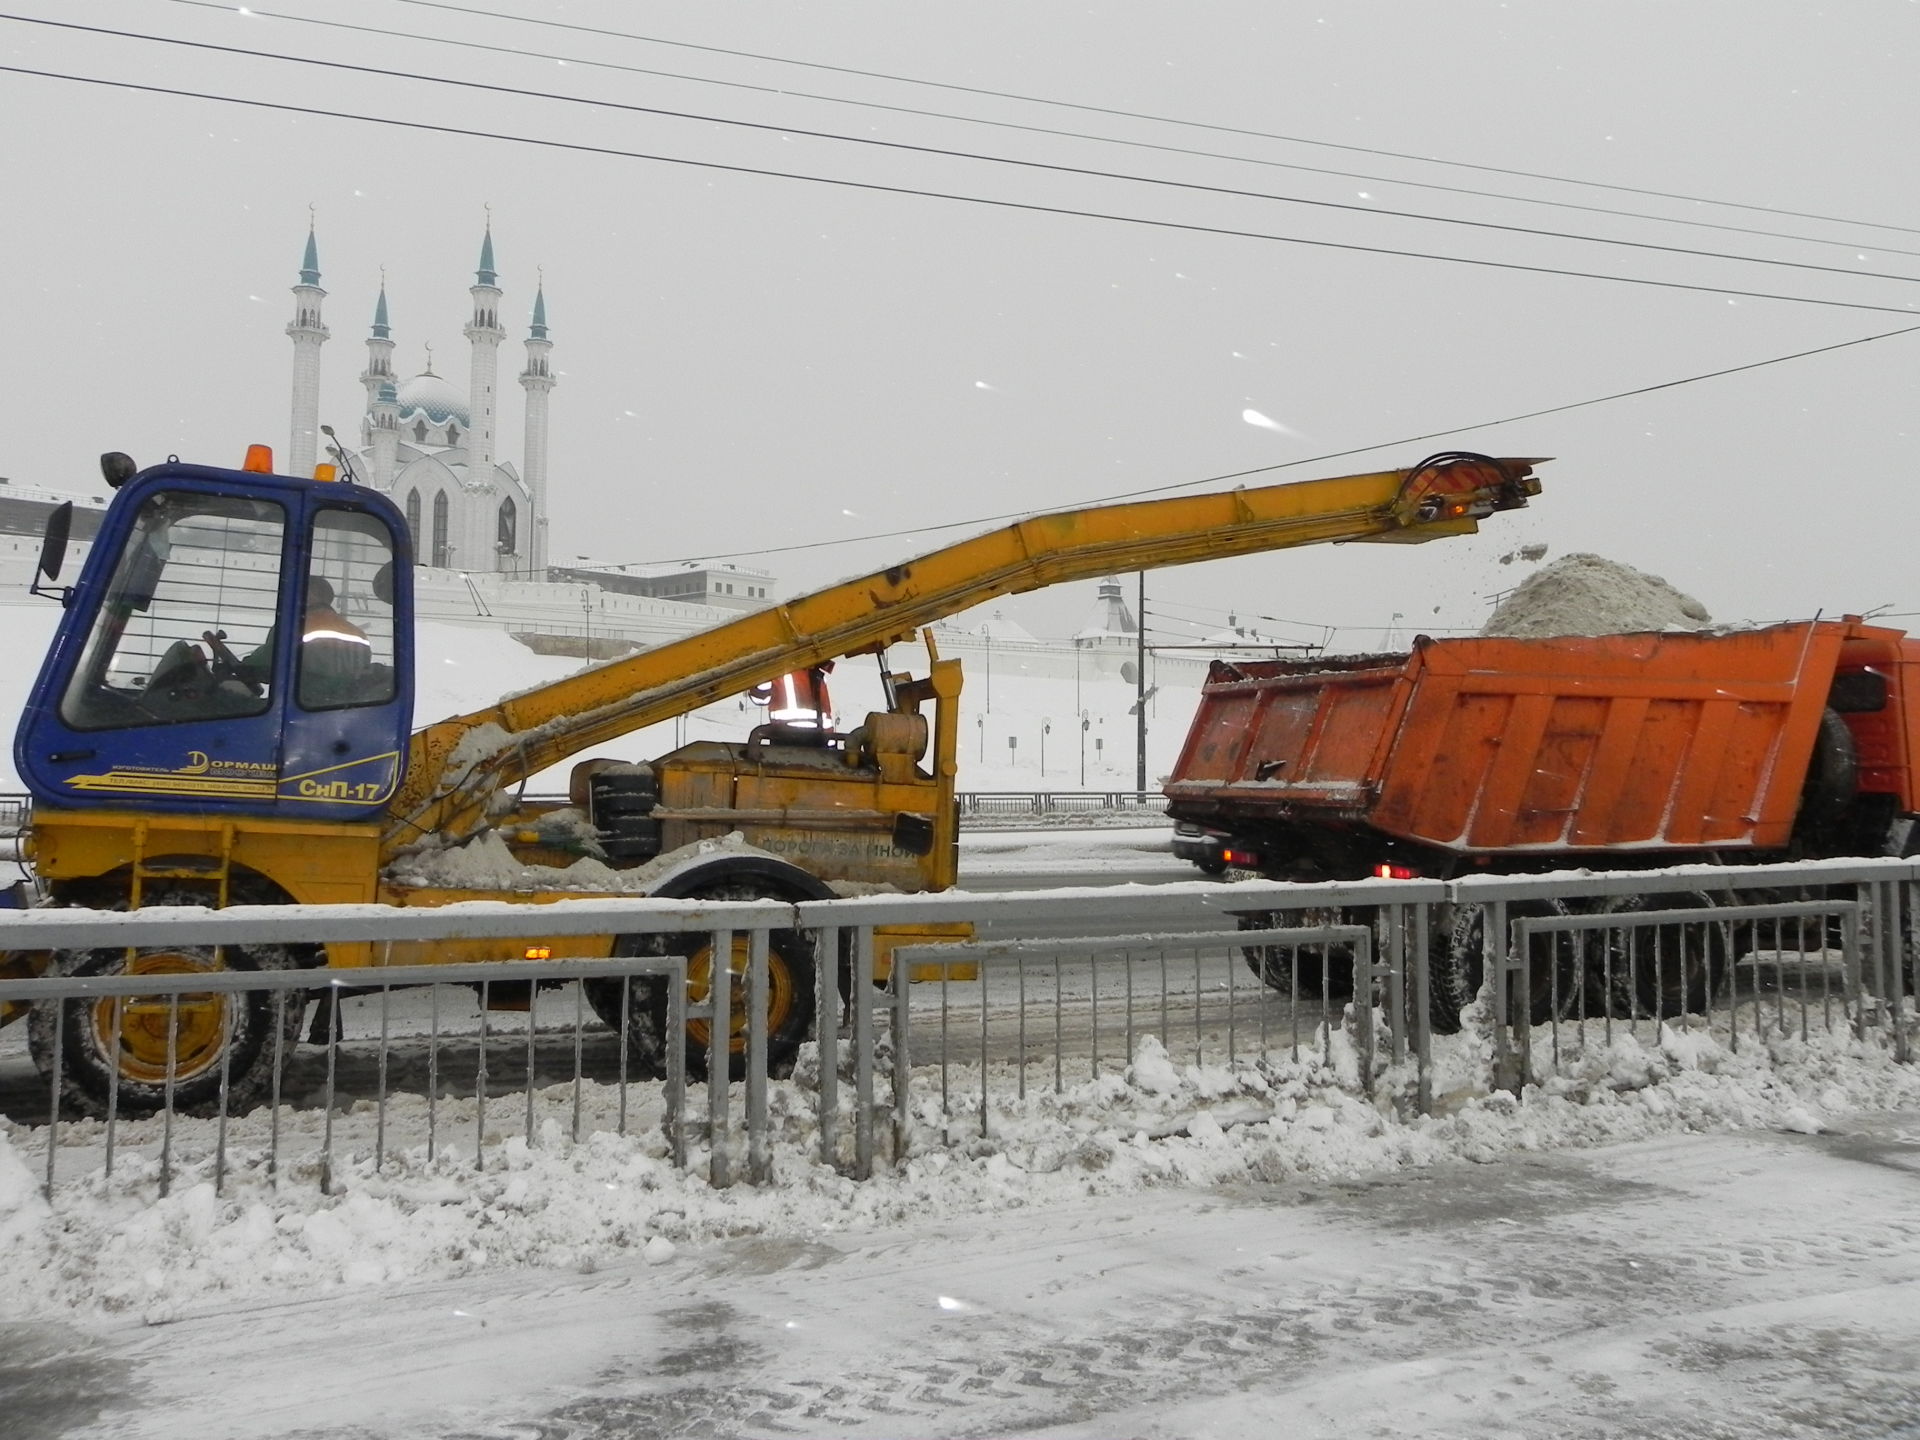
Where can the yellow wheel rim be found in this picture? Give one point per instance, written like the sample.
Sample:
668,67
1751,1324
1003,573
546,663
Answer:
199,1023
780,996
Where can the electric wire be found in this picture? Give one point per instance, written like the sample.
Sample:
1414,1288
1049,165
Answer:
1156,119
588,62
910,148
1030,207
1320,459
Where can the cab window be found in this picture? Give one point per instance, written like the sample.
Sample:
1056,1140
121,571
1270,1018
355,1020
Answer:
347,645
192,592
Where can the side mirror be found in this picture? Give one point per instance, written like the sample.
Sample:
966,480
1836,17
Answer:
117,468
53,549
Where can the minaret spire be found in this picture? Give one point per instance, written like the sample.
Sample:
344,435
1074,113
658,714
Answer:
485,335
537,380
381,430
308,333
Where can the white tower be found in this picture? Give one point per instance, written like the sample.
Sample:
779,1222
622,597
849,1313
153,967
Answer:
308,335
484,331
537,380
380,431
483,401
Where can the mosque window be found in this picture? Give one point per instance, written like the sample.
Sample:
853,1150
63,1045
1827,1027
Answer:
507,527
453,433
419,432
413,518
442,551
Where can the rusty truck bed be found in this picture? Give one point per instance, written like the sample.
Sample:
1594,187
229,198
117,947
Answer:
1659,740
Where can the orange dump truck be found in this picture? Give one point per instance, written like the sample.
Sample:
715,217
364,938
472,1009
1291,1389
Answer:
1518,754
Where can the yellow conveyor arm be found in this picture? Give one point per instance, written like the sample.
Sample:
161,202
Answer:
457,766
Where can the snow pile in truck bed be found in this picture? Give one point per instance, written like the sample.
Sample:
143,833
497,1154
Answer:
1585,594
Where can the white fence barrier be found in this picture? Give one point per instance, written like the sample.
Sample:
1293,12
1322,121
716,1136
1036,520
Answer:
1254,973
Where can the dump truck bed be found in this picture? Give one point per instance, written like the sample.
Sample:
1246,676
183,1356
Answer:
1676,741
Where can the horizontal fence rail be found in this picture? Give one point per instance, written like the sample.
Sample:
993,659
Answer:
982,809
1358,981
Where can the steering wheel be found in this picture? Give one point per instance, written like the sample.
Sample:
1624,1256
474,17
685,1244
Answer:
226,665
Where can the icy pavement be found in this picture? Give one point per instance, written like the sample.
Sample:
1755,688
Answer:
1758,1284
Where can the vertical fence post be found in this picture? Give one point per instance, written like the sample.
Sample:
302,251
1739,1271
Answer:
826,1028
1502,950
1422,1005
758,1163
719,1054
900,978
1363,962
861,989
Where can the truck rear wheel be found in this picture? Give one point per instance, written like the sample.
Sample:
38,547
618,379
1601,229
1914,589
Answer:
1320,972
114,1052
1455,978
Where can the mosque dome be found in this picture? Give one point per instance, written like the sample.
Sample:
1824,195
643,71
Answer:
430,397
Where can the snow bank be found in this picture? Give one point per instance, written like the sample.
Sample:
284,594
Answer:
1590,595
562,1205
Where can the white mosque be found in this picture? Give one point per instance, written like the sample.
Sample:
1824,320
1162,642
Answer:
430,448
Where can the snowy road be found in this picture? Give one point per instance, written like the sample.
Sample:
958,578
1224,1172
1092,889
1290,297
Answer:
1759,1284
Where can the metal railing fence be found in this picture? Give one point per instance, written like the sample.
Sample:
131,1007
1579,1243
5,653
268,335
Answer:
1372,974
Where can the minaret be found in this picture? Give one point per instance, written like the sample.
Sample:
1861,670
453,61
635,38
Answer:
537,380
308,335
485,334
384,423
379,369
381,431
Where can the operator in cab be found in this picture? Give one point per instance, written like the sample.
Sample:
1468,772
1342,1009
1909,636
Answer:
336,657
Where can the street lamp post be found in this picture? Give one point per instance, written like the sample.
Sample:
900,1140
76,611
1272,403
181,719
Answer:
1140,694
1086,724
1046,729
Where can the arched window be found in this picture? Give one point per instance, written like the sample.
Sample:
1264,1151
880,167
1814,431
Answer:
453,433
442,552
506,528
413,518
419,432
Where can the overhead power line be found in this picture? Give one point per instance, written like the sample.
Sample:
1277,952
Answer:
1144,115
788,93
1029,207
1223,478
907,147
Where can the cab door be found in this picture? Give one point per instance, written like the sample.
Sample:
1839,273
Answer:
346,676
143,701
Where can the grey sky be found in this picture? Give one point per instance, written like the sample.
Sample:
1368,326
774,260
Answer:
751,362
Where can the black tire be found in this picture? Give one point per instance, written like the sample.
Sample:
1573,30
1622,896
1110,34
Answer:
623,806
1318,972
790,990
1679,969
1211,867
1553,969
242,1026
639,1003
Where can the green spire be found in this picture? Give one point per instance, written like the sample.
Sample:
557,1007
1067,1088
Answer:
539,327
310,265
487,276
380,331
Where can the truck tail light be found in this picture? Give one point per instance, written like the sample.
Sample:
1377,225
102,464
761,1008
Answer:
1243,859
1396,872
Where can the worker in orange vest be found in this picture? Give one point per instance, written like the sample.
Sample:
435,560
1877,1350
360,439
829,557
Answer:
798,699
